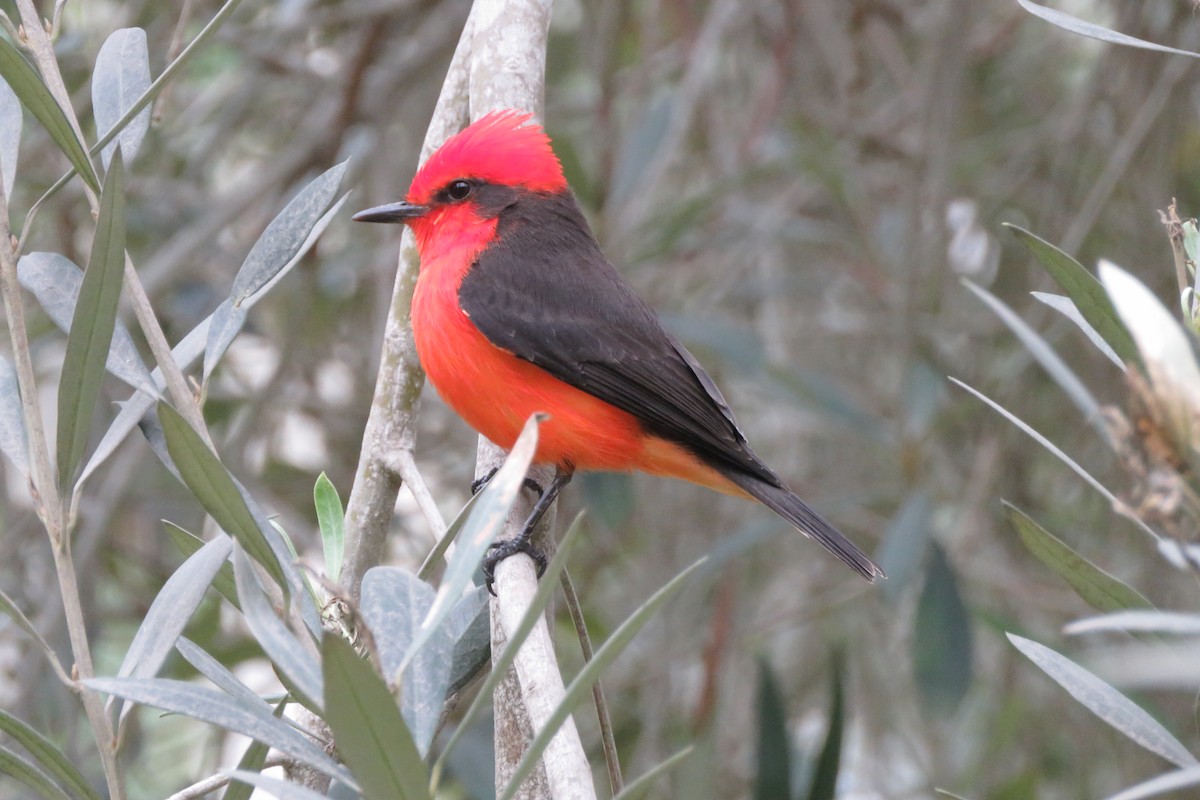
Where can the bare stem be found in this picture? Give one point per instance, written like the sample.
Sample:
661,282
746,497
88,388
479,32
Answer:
611,759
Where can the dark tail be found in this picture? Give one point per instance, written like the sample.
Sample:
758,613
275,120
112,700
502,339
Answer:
787,505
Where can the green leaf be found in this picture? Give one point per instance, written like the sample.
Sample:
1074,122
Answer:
773,776
824,780
1098,589
637,789
370,734
121,77
581,687
92,325
252,762
48,755
1106,702
253,719
188,543
942,641
23,79
214,487
331,518
54,280
1084,289
21,770
393,603
295,663
1066,306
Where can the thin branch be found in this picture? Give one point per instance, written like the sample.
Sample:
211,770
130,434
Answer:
406,467
611,759
214,782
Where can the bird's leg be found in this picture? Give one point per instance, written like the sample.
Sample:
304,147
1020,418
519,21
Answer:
478,484
521,542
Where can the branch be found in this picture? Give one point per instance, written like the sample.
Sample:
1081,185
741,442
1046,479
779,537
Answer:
390,430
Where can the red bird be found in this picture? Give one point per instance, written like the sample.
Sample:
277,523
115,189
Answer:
517,311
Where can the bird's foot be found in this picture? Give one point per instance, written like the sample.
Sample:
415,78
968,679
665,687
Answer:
510,547
529,483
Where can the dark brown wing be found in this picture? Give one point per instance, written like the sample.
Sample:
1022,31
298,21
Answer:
544,292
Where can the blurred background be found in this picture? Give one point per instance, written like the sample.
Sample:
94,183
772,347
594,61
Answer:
799,188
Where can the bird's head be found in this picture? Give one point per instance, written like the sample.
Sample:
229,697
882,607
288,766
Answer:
476,174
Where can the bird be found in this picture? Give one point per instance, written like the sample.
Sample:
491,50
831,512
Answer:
516,311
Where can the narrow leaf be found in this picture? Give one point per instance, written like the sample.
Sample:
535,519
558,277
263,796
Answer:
284,238
1165,622
8,607
824,780
91,334
1106,702
942,643
286,233
188,543
487,519
54,760
121,76
330,519
1093,31
54,280
773,774
639,788
1062,374
581,687
393,603
13,442
370,734
11,121
23,79
285,651
216,672
172,608
1097,588
1084,290
1046,443
208,705
1066,306
252,761
20,769
213,486
1170,782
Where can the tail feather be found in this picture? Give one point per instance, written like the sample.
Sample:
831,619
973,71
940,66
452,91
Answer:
787,505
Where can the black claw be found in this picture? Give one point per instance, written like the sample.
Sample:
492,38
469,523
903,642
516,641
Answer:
510,547
478,484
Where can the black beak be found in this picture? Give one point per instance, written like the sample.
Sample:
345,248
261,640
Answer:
392,212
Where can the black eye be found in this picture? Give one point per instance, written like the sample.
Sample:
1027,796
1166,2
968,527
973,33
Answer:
459,190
